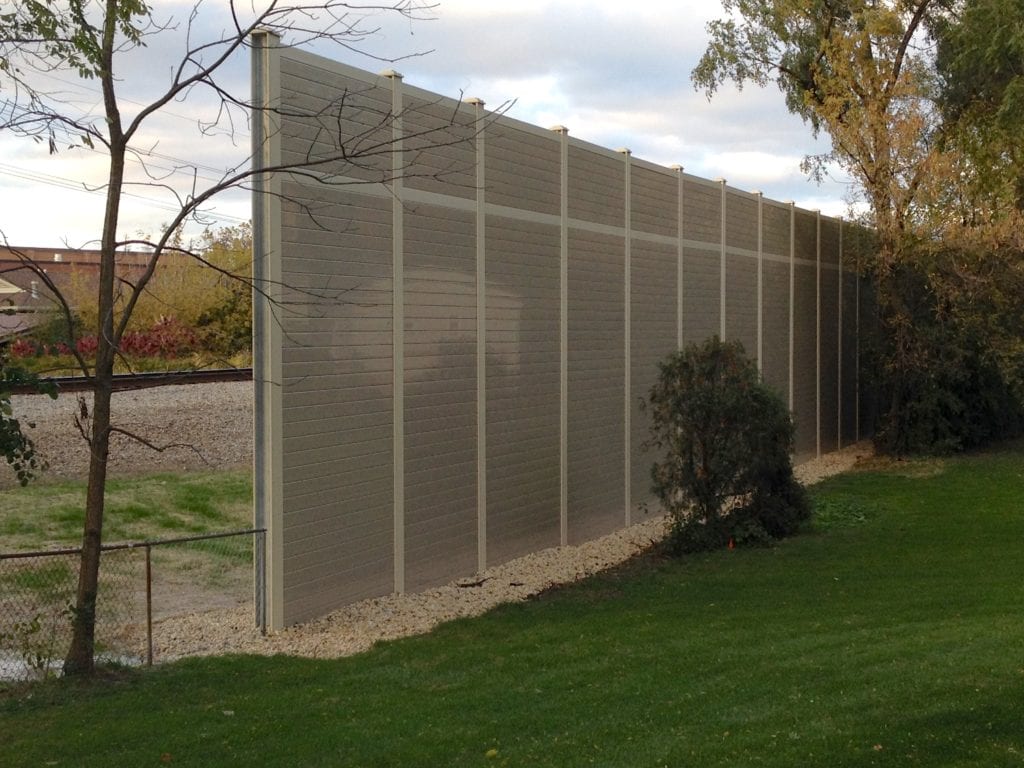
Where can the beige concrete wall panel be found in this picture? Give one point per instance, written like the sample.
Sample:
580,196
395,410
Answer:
327,115
318,250
440,395
775,369
337,478
339,377
317,528
702,211
805,361
741,302
654,206
342,450
333,544
701,294
597,187
829,359
301,422
775,239
332,576
849,358
830,241
333,461
741,221
439,144
868,328
339,361
596,378
653,338
307,354
805,235
321,504
522,169
522,387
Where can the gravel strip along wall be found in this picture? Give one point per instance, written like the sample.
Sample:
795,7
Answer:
355,628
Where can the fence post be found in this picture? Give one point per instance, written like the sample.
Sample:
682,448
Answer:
259,557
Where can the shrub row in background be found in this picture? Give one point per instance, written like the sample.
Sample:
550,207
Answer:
168,338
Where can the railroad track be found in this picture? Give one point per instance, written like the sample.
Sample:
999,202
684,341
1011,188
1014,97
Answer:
129,381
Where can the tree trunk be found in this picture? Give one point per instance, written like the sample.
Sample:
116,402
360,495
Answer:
80,659
81,655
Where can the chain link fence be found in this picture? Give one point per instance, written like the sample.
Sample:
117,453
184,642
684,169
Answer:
141,584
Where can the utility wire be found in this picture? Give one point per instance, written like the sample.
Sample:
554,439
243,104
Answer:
98,95
70,184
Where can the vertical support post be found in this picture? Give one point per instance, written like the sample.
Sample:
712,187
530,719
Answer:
149,606
817,335
856,349
792,293
563,341
679,258
268,467
481,337
839,346
627,417
398,325
760,281
721,275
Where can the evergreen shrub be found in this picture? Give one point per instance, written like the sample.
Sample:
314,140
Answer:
726,439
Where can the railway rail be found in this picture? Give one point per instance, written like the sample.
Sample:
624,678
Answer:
129,381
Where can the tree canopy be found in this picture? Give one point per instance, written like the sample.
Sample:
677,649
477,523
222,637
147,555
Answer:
922,102
979,62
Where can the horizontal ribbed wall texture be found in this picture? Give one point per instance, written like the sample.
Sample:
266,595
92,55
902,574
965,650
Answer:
469,313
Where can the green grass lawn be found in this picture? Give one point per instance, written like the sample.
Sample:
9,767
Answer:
893,635
35,593
49,514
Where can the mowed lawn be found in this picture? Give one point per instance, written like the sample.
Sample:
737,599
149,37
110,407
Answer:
891,635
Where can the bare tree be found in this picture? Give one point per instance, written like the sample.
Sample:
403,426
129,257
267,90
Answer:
90,40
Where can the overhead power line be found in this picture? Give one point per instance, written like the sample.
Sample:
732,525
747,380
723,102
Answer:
62,182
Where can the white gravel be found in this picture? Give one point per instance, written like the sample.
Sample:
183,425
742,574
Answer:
215,420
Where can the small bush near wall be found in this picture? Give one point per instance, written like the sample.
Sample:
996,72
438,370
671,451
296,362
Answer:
726,438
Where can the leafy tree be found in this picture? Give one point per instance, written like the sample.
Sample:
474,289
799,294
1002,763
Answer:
92,40
979,63
863,72
726,439
226,319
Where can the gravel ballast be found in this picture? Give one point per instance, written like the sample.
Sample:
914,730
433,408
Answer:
209,426
199,426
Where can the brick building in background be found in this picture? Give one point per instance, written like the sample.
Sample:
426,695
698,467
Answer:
26,301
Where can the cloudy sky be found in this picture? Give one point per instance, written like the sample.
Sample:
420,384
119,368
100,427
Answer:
616,74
